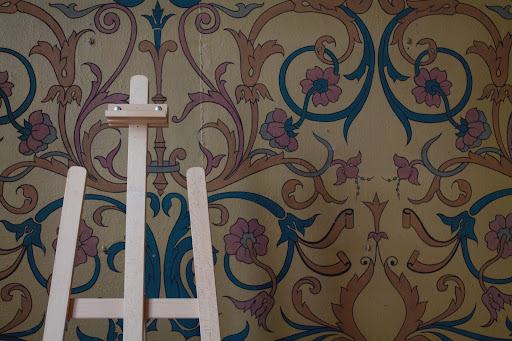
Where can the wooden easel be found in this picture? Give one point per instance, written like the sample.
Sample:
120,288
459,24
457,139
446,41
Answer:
134,309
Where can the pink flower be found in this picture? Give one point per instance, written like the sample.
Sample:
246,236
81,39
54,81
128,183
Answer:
260,305
279,130
494,300
5,85
239,235
348,169
87,245
472,130
430,86
38,132
405,169
501,229
324,84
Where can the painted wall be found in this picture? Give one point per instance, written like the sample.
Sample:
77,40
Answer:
358,157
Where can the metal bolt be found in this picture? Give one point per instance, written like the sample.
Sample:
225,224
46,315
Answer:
158,108
117,108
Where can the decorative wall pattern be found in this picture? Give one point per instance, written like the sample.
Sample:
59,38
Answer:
357,152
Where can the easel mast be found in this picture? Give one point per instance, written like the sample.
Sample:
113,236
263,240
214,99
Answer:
135,244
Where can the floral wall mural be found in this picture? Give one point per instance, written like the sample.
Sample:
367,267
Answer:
357,152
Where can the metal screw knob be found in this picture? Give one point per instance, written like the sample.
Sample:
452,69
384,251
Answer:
117,108
158,108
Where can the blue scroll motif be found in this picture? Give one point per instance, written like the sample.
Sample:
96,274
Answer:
403,113
366,66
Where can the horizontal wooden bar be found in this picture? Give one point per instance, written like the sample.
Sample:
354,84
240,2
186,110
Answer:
172,308
89,308
103,308
122,115
151,123
127,110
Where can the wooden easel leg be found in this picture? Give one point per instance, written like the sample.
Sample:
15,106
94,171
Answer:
62,276
202,252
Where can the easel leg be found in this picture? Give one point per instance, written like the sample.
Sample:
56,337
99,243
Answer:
62,275
203,258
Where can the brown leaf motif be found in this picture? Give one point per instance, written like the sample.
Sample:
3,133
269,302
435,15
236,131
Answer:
9,6
497,94
319,4
434,6
61,59
344,311
414,309
64,96
251,62
497,58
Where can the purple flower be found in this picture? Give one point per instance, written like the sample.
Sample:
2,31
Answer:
501,232
237,241
430,85
348,169
405,169
87,245
279,130
324,83
494,300
260,305
5,85
38,132
472,130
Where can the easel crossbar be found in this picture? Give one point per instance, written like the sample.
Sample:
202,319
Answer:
103,308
